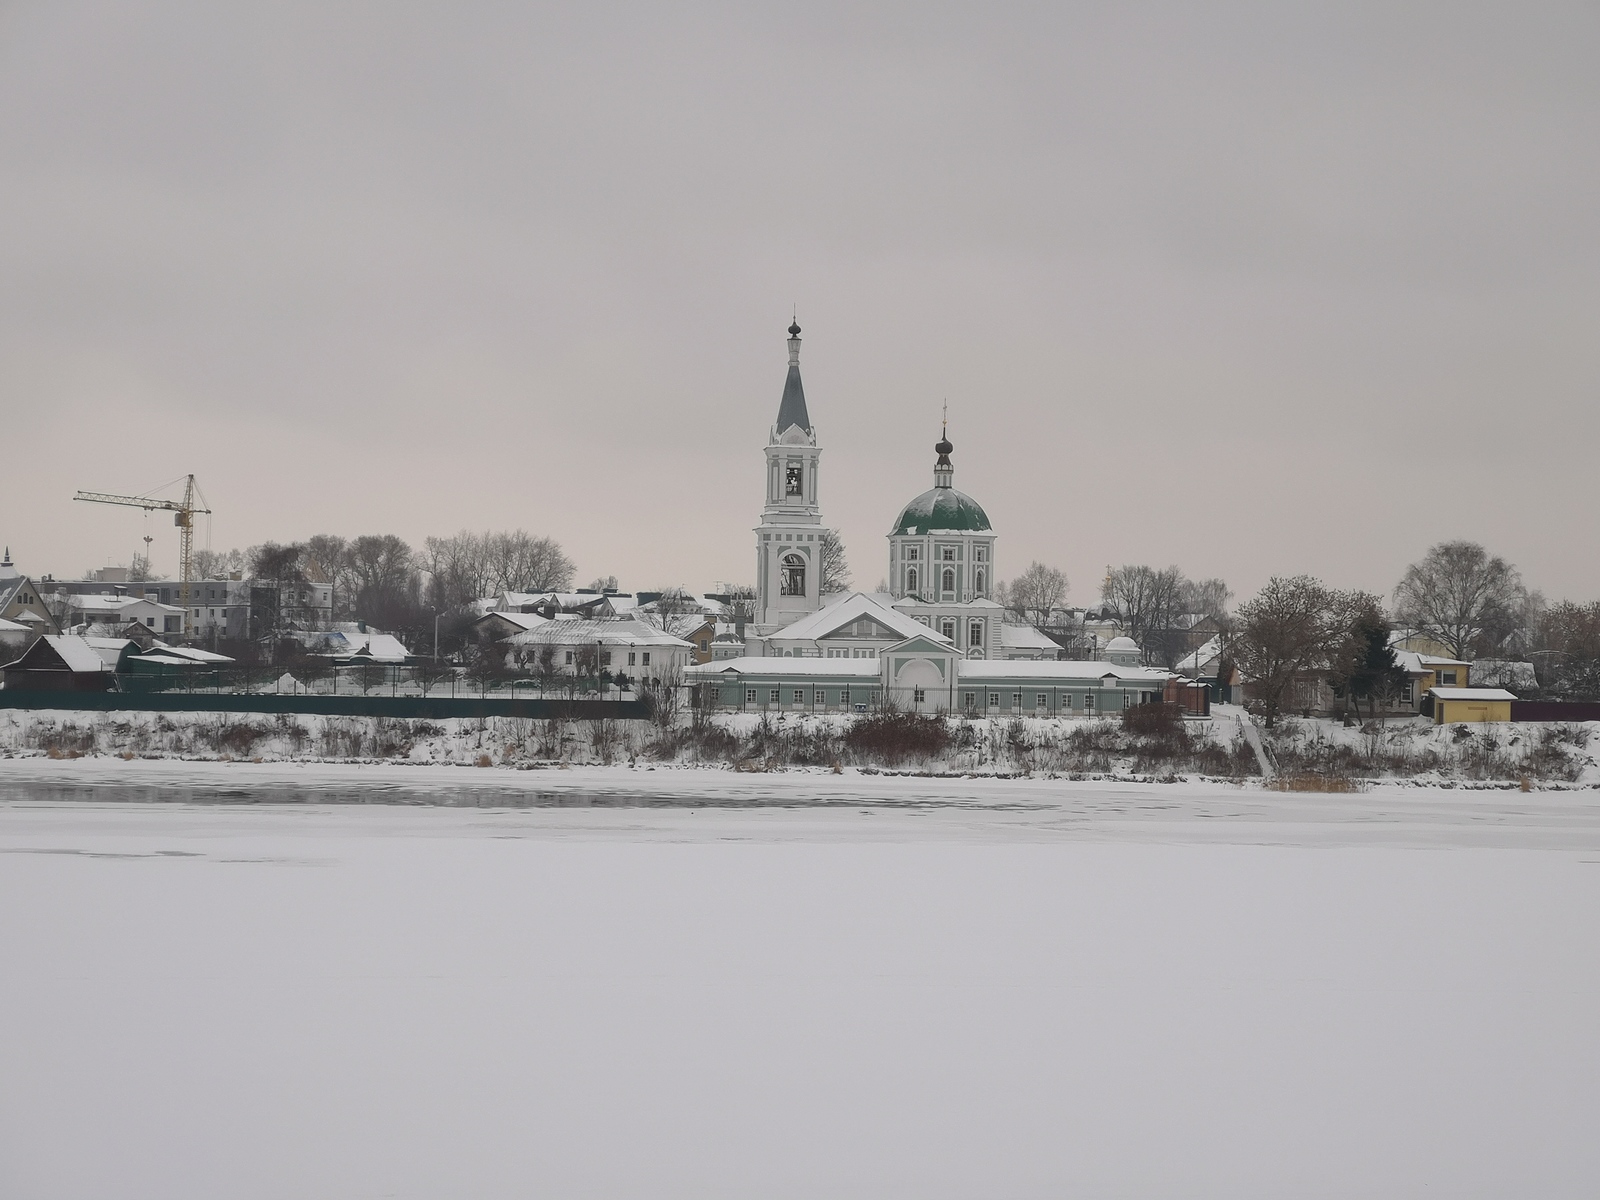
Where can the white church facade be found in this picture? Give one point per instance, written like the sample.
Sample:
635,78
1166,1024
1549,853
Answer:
936,641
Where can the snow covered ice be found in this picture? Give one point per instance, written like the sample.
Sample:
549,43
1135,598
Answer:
717,985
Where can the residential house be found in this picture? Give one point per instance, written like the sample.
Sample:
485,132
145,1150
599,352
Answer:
115,610
67,663
576,646
20,601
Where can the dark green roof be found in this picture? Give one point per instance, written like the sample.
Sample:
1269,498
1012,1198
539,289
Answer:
792,410
942,508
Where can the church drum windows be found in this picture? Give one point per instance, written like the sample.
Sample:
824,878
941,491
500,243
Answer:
911,580
948,582
794,485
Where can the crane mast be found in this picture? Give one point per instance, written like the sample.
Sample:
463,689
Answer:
183,512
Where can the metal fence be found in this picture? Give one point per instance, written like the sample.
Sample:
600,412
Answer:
372,704
364,679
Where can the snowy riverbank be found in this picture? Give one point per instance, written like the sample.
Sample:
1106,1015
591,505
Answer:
1217,749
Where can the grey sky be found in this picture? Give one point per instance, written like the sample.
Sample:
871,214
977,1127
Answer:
1311,288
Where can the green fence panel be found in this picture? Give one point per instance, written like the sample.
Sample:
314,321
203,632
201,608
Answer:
429,707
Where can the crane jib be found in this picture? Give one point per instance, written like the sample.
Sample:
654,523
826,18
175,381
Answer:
182,516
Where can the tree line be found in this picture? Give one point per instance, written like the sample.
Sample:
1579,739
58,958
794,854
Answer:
1297,630
384,581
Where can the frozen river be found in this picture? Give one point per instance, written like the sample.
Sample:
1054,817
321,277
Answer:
252,981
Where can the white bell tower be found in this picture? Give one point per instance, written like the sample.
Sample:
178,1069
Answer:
789,538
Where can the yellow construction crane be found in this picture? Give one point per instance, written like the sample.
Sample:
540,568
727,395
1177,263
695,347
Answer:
183,512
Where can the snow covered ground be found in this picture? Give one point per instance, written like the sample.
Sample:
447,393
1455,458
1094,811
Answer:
233,980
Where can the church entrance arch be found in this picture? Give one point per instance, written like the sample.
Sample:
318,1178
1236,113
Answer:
919,686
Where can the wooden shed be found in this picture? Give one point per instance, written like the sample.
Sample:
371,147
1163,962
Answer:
1457,705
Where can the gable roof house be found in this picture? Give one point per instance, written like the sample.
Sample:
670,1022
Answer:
850,625
67,663
114,611
577,646
20,601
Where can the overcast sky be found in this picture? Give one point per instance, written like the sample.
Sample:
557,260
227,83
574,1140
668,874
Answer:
1253,290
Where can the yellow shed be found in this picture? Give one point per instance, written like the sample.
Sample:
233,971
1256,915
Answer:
1454,705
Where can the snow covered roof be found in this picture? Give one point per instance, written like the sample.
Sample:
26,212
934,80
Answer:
1000,668
581,632
1470,693
864,668
12,627
852,606
1205,656
1421,664
191,654
75,652
349,643
521,620
108,603
1025,637
1502,672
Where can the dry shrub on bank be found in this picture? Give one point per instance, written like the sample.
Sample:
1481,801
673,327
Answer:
1493,751
890,737
66,740
1315,783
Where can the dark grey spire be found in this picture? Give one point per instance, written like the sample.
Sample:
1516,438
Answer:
793,409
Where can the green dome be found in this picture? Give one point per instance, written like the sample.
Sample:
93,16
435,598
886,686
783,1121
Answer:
942,509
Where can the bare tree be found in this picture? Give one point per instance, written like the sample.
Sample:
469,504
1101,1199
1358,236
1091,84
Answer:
741,604
1458,594
217,564
1283,637
835,571
468,566
280,564
524,563
139,570
665,695
1147,602
1205,597
1035,593
603,583
1568,659
328,559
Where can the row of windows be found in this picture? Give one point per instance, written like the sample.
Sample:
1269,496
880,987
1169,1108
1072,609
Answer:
947,582
841,696
1085,702
605,658
947,554
1092,701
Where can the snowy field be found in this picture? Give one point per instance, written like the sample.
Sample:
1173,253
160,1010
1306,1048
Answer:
237,980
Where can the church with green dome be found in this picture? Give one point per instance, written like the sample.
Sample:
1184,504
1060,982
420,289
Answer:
935,641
